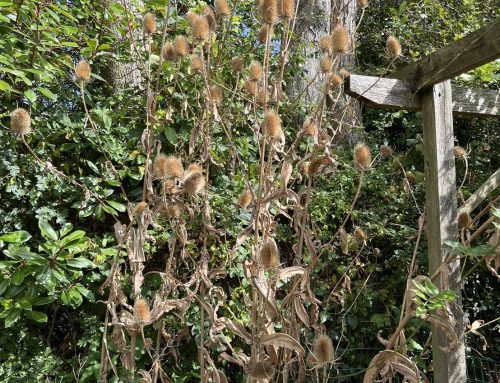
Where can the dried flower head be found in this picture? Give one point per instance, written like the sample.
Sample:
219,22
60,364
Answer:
269,11
464,220
393,47
216,94
325,44
272,125
265,33
286,9
385,151
173,211
222,8
362,157
196,64
340,39
190,17
262,97
251,88
363,3
269,255
168,52
245,199
170,186
310,127
167,167
360,235
181,46
209,14
140,208
459,152
149,23
200,28
20,122
326,64
82,71
315,165
255,70
237,65
141,310
323,349
336,80
261,370
344,73
194,181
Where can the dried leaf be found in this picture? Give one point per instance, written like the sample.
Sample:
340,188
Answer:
282,340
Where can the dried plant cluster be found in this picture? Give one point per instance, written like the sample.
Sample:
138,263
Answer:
283,340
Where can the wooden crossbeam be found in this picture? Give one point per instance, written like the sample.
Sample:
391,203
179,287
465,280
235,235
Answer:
493,183
391,93
472,51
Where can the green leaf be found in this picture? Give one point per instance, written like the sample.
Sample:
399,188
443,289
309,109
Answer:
108,209
19,275
4,85
16,237
47,231
30,95
12,317
37,316
75,236
117,206
171,135
25,304
80,263
3,285
47,93
44,300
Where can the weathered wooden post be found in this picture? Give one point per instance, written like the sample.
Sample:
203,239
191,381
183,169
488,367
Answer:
424,85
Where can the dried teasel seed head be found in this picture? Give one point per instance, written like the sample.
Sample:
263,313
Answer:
168,52
459,152
393,47
265,32
340,39
326,64
255,70
360,235
269,255
216,94
149,22
82,71
237,65
261,370
141,310
325,44
286,9
323,349
310,127
173,211
169,186
269,11
363,3
194,181
272,125
464,220
336,80
140,208
196,64
222,8
245,199
385,151
251,88
190,17
262,97
209,14
20,122
181,46
344,73
167,167
315,165
200,28
362,157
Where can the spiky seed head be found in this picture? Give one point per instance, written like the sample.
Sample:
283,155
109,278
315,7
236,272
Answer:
261,370
194,168
168,52
325,44
326,64
20,122
190,17
360,234
393,47
149,23
245,199
336,80
315,165
209,14
310,127
255,70
323,349
304,168
340,39
82,71
269,255
167,167
344,73
362,157
251,88
265,32
237,65
200,28
459,152
140,208
173,211
286,9
272,125
363,3
181,46
262,97
269,11
194,181
196,64
464,220
222,8
385,151
216,94
170,186
141,310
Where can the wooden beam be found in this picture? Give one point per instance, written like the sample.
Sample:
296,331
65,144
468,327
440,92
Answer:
389,93
472,51
441,218
493,183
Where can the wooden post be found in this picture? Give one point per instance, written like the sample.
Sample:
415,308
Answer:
441,214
